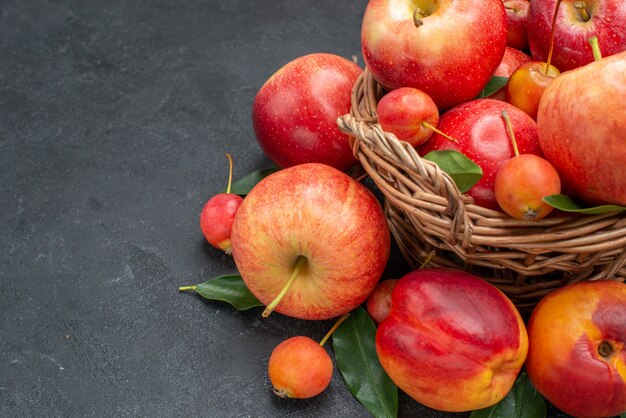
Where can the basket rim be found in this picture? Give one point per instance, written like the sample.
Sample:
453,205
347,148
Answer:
432,208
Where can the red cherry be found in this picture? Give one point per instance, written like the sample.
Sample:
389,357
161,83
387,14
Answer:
216,218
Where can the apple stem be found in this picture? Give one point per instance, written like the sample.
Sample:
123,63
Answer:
581,6
552,31
595,48
509,129
432,128
230,171
183,288
334,327
428,259
418,15
294,273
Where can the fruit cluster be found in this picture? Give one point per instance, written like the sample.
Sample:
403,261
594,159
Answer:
311,242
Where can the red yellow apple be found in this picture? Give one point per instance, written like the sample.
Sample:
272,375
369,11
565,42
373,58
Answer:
452,341
581,122
447,48
295,111
605,19
313,236
577,352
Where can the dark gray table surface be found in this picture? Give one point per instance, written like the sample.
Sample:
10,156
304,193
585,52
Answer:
114,119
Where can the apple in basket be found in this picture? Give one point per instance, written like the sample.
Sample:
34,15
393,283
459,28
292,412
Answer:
295,111
310,242
576,22
481,134
447,48
517,18
577,352
582,130
451,341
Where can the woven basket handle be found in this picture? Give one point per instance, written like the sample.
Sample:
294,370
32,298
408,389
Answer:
396,167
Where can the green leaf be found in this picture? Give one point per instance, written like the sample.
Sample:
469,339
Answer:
228,288
623,415
355,353
495,83
523,401
244,185
567,204
463,171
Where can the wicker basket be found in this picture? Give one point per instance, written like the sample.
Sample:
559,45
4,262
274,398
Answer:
427,213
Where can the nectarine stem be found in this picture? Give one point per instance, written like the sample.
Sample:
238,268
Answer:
595,48
432,128
294,273
552,31
334,327
183,288
230,171
509,129
580,5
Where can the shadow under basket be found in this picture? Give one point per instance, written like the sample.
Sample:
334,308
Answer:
427,214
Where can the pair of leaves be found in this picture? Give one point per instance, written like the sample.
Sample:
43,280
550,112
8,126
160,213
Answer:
353,345
522,401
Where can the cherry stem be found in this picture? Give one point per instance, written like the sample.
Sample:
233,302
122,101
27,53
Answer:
230,171
428,259
183,288
552,31
580,5
334,327
509,129
294,273
595,48
432,128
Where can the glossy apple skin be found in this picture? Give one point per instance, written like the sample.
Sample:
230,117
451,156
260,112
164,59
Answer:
481,135
451,56
511,60
299,368
216,219
565,331
294,113
318,212
571,45
378,303
402,112
522,183
527,84
517,18
582,130
452,341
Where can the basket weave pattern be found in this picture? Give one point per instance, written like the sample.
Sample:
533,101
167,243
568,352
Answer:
428,214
